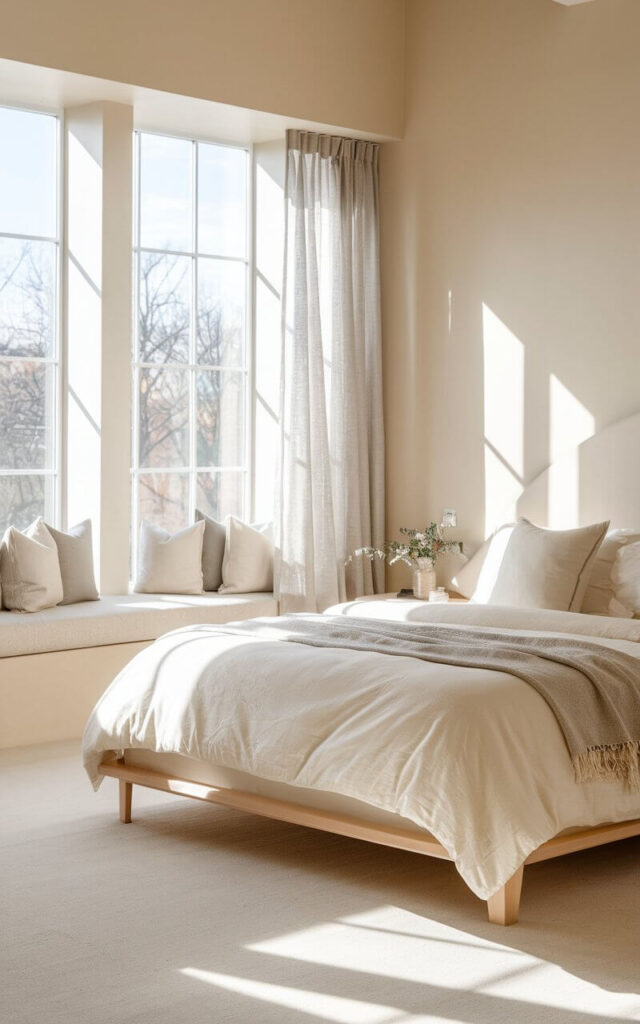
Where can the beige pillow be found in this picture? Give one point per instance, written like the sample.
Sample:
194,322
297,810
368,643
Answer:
212,551
477,577
247,566
601,596
29,569
547,568
625,581
75,553
169,563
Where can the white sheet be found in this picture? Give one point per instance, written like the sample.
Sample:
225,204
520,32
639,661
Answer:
476,757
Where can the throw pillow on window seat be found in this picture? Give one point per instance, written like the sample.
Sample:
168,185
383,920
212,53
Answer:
169,563
75,554
247,566
30,569
212,551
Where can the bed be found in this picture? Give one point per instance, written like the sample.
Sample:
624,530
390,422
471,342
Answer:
466,764
461,763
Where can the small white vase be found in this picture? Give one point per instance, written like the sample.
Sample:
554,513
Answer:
424,578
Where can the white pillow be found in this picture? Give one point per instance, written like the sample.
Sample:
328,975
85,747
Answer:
247,566
547,568
601,597
30,569
169,563
625,580
212,551
75,554
477,577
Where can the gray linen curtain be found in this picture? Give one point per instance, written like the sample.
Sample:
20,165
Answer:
330,493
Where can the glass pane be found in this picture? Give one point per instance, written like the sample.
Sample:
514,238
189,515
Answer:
23,498
220,417
221,494
222,200
221,312
163,417
28,143
163,498
27,298
26,421
165,308
166,219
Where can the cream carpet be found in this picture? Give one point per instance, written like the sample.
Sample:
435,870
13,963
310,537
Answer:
195,914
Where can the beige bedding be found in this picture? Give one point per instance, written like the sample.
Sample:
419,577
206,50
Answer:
474,756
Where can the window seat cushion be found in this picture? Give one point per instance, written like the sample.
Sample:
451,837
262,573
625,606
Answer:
129,618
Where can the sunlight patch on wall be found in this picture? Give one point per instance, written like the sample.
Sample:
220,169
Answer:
503,419
570,423
502,488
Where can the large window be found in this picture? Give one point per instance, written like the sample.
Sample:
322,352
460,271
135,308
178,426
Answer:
29,261
190,356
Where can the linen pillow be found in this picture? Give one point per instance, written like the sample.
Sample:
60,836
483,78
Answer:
625,579
169,563
30,569
601,596
212,551
476,578
547,568
247,566
75,554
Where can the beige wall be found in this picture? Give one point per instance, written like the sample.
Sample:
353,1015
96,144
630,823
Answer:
516,188
336,61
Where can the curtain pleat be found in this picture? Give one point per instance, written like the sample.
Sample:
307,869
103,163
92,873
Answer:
330,493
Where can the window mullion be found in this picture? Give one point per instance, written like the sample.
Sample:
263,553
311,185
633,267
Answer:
59,504
193,449
135,405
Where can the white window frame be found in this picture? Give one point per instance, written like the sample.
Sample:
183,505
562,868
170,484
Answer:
54,472
192,366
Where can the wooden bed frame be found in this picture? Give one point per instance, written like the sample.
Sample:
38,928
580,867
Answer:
503,906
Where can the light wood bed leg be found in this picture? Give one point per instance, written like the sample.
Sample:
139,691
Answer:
505,904
125,790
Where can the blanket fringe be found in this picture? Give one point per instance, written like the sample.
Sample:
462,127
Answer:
618,762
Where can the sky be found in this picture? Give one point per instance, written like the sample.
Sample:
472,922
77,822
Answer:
166,212
28,157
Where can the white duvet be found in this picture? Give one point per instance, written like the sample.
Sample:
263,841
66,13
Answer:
474,756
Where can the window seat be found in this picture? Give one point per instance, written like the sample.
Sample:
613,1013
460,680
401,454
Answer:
55,664
121,620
